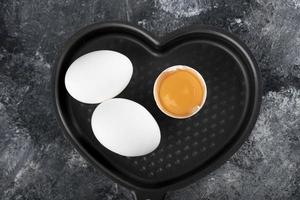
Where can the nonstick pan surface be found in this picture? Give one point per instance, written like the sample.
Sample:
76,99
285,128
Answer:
190,148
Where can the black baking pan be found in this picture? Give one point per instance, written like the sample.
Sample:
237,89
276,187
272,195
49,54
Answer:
190,148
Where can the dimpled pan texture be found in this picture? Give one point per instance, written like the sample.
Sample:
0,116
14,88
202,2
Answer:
190,148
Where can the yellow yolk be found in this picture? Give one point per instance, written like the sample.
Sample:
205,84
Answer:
180,92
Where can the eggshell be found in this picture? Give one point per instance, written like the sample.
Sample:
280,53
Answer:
125,127
98,76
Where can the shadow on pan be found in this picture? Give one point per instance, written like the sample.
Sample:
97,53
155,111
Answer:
190,148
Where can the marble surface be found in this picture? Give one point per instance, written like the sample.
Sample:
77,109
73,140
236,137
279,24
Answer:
37,162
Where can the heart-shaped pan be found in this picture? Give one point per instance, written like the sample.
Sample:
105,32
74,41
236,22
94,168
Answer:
189,148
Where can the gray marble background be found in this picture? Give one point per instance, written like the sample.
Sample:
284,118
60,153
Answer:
37,162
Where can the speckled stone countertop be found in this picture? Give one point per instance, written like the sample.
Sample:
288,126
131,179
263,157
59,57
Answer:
37,162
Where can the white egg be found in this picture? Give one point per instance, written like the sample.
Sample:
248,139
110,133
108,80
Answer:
125,127
98,76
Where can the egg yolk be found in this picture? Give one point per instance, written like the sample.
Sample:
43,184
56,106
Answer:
180,92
